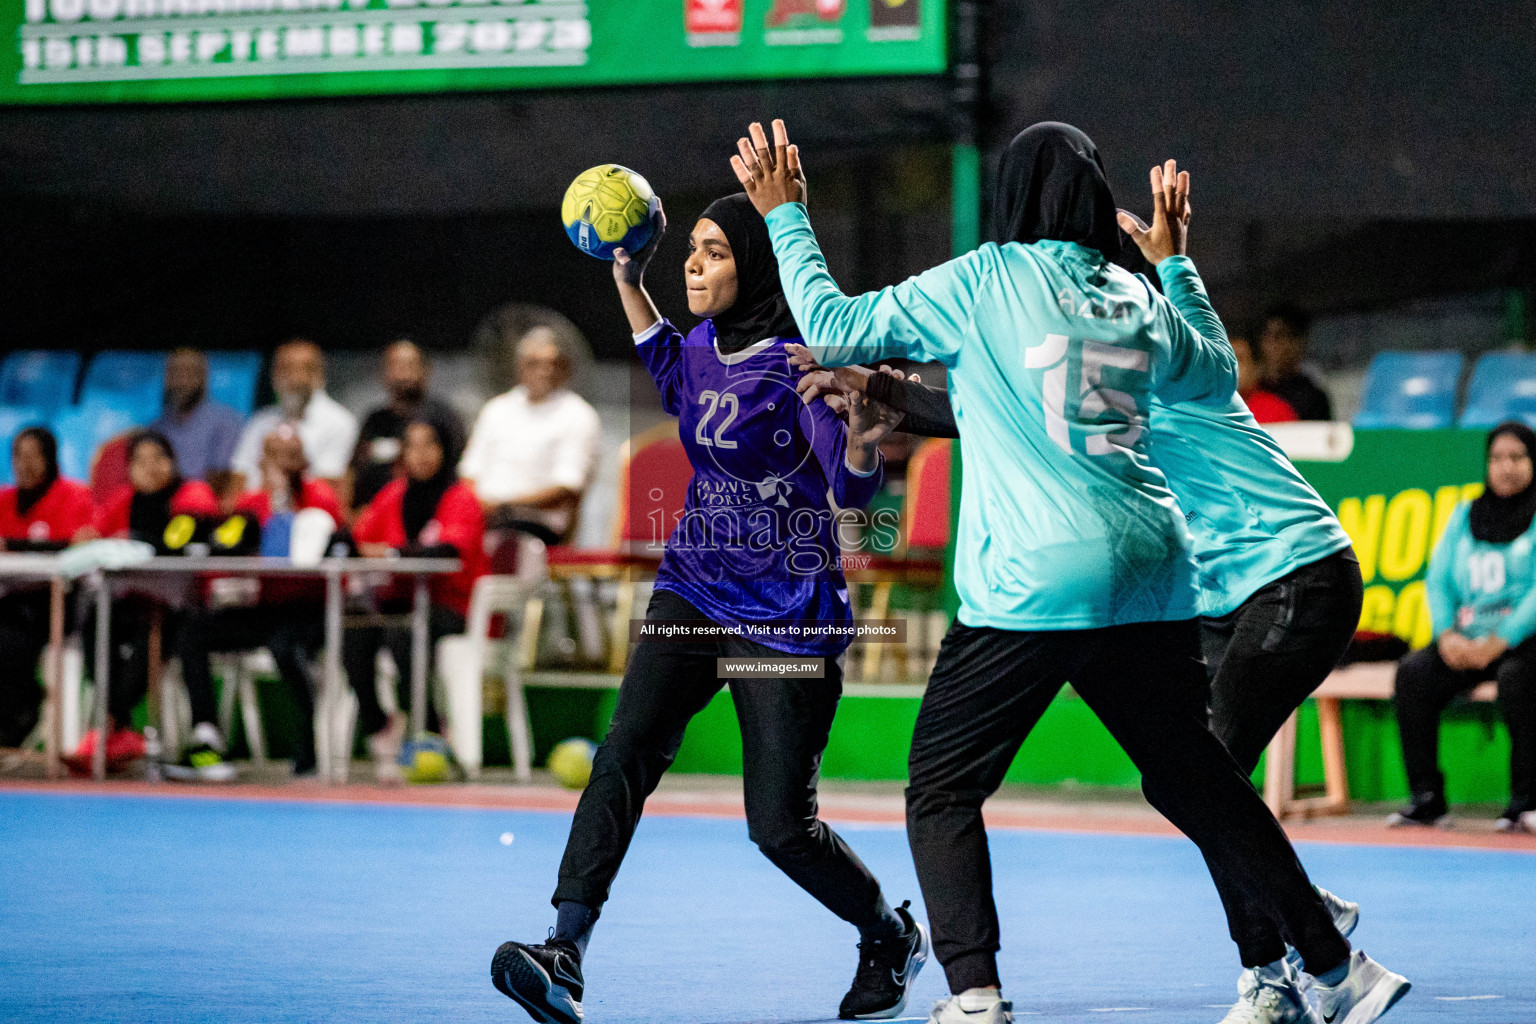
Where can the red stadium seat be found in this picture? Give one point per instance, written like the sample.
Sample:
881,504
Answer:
653,482
918,561
109,469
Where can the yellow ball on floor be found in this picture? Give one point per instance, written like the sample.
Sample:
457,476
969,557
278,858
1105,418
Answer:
425,760
571,762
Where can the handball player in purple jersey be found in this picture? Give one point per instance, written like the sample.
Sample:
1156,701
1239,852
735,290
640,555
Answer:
755,553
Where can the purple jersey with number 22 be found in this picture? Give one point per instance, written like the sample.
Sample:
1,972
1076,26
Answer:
757,539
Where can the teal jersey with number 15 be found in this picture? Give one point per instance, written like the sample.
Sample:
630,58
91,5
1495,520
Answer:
1054,358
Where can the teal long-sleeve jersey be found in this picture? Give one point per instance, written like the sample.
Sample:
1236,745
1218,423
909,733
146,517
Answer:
1054,358
1479,588
1252,517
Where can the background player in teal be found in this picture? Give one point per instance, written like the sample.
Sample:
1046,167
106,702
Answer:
1054,356
1482,600
755,546
1280,595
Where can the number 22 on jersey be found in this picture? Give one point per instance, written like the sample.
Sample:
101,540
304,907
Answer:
1090,397
730,407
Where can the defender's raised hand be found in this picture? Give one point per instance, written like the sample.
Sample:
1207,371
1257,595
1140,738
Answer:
1169,233
771,175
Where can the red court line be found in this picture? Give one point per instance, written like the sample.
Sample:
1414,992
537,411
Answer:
727,805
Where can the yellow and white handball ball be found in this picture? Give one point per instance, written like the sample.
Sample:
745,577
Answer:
571,762
608,207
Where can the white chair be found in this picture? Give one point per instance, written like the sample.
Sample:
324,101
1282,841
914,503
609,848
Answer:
239,671
461,664
71,696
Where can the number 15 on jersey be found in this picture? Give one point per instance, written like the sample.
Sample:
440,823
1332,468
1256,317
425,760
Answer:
1090,402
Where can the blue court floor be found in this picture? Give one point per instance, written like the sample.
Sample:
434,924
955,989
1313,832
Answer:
151,909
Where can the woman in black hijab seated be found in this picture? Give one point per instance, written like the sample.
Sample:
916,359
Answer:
1483,606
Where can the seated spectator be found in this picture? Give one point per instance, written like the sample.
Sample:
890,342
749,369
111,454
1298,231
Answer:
328,430
406,374
41,513
157,507
428,513
1483,604
1282,347
1266,406
531,452
286,616
204,432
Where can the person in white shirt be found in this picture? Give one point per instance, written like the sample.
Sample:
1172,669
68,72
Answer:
328,430
531,453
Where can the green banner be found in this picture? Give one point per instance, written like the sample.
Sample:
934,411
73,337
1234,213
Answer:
1394,495
97,51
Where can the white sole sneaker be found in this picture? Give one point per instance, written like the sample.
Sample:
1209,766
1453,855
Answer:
1365,994
959,1010
1265,997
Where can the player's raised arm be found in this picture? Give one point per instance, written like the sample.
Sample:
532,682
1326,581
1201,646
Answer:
629,276
922,318
1204,367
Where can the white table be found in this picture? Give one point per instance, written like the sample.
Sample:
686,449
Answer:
332,763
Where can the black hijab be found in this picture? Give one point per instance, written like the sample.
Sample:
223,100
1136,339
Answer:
760,310
26,497
423,496
1051,185
1496,520
149,514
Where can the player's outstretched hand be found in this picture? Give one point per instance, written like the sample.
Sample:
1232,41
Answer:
771,175
869,421
800,358
628,267
1169,233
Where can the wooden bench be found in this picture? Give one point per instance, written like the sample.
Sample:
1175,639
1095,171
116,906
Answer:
1367,680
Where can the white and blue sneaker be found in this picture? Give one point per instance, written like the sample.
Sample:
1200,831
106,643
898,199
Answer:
973,1006
1271,994
545,980
1367,991
1346,917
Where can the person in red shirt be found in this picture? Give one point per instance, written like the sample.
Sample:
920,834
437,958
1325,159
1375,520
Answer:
286,616
157,507
41,513
427,513
1266,406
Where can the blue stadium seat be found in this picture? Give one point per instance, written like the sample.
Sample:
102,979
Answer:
129,381
39,379
232,379
84,428
1503,387
1410,390
13,420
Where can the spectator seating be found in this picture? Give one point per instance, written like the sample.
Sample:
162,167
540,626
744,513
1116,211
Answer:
82,430
917,561
232,379
461,664
1410,390
1366,680
38,379
1503,387
653,482
109,470
132,382
13,420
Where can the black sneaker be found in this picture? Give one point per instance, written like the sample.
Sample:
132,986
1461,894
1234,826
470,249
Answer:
887,968
545,980
305,766
1427,810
